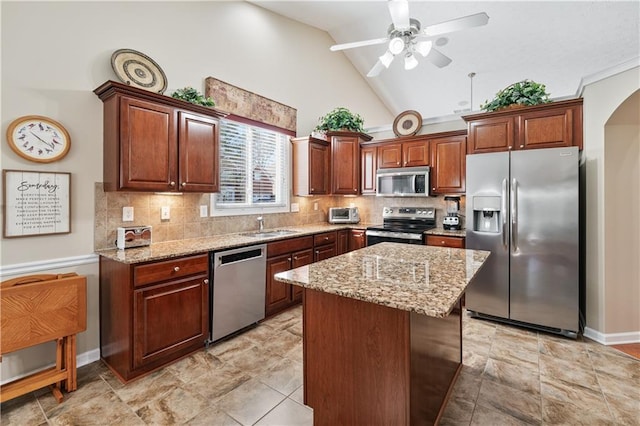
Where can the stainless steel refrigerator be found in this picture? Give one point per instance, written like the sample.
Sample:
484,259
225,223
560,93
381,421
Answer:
523,206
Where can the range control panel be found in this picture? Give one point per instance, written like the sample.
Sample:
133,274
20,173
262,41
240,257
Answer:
409,212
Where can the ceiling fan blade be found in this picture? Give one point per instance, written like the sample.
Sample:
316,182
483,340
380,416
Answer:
458,24
353,44
438,58
399,11
377,69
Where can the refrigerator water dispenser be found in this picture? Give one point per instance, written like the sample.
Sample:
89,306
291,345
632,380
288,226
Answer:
486,214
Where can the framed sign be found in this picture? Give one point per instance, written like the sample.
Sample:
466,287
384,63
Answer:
36,203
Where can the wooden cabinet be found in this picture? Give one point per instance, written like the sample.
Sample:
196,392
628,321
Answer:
153,142
345,161
311,166
357,239
408,153
324,245
445,241
448,162
368,168
282,256
342,241
557,124
152,314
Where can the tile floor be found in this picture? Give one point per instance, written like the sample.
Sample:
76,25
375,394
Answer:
510,376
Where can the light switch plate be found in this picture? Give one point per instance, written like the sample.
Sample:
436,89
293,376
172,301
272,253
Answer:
315,205
203,211
127,214
165,213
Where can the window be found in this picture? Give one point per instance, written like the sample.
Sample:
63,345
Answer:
254,170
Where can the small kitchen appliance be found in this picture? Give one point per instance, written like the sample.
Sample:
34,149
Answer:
344,215
452,220
133,236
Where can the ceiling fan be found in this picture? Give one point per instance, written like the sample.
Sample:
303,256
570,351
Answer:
406,37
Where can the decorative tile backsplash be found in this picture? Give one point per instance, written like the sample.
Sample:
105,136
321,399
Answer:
185,221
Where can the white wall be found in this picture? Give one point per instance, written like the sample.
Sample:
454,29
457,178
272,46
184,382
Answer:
55,53
601,99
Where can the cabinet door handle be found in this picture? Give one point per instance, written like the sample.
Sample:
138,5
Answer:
295,257
183,184
206,281
510,147
176,268
172,184
326,238
521,146
288,259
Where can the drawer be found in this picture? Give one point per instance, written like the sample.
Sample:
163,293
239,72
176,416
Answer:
439,240
289,245
324,238
170,269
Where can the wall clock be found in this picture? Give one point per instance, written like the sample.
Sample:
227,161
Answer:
38,138
407,123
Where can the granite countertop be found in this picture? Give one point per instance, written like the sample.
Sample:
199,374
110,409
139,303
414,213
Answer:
426,280
446,233
177,248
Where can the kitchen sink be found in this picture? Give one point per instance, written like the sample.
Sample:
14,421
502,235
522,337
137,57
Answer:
269,234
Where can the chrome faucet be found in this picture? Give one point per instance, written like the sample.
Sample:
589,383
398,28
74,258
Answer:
260,223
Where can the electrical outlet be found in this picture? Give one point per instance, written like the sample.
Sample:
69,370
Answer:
315,205
127,214
165,213
295,207
203,211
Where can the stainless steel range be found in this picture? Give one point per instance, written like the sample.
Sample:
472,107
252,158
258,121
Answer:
402,225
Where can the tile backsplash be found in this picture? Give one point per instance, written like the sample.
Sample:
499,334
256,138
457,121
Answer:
185,221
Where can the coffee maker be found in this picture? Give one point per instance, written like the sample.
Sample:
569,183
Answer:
452,220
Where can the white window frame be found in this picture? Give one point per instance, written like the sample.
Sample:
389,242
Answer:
283,185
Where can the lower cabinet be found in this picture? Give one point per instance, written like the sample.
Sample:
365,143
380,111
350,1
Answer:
282,256
445,241
357,239
324,246
153,313
342,241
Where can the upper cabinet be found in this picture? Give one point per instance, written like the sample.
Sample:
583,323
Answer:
311,166
448,162
345,161
557,124
368,168
154,142
412,151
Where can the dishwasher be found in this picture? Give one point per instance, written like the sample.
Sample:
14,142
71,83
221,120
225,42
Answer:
238,294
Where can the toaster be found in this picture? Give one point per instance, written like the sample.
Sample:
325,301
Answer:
133,236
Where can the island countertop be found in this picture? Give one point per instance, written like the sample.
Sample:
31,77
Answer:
426,280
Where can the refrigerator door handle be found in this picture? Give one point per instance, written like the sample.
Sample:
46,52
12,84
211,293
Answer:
514,215
503,212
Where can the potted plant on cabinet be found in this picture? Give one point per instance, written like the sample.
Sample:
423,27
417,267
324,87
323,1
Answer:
339,119
190,94
522,93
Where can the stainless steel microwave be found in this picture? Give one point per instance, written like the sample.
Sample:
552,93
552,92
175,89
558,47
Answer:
403,182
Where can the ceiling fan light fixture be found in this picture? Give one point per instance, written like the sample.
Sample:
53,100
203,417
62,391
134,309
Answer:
396,45
386,58
424,47
410,62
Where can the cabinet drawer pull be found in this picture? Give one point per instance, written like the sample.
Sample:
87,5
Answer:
326,238
176,268
442,242
206,281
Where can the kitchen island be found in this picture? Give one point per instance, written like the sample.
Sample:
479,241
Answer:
382,332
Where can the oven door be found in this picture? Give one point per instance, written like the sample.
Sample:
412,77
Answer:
375,237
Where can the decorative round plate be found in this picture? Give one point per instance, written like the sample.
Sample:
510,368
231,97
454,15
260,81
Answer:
137,69
407,123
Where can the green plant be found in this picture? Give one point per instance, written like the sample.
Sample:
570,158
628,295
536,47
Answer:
340,119
190,94
525,92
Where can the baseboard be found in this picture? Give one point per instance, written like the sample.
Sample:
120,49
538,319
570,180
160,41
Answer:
612,338
81,359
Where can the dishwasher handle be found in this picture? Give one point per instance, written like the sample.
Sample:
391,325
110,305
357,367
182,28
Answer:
226,258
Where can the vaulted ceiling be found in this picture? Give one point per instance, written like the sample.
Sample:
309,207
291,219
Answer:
551,42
